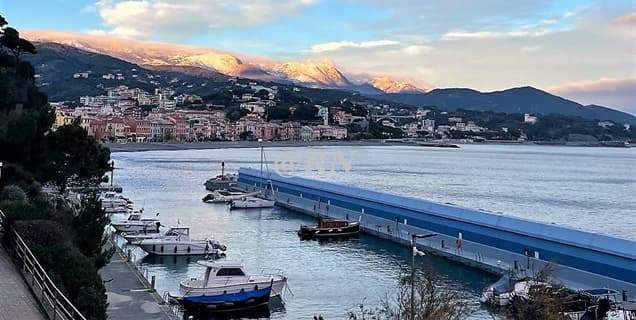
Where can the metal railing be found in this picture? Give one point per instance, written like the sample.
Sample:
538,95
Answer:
52,300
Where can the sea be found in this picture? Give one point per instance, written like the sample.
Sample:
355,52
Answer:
586,188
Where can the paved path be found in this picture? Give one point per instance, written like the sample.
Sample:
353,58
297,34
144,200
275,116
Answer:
16,299
127,297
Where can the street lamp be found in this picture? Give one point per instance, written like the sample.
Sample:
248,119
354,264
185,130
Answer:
416,252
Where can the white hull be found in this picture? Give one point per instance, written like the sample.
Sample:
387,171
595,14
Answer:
190,248
135,227
252,204
278,286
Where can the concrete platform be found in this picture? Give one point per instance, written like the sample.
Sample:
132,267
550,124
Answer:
16,299
129,297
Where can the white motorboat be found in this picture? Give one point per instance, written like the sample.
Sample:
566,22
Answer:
181,245
137,237
135,223
251,202
224,277
226,196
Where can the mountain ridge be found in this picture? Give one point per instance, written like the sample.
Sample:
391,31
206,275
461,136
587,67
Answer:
524,99
319,74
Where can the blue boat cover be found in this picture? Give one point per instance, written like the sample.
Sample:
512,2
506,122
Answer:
235,297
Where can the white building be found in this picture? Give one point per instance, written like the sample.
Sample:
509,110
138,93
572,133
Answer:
528,118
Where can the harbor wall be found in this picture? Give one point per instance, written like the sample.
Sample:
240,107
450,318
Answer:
493,242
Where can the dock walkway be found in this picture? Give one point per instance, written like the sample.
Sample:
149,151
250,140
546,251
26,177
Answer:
16,299
129,297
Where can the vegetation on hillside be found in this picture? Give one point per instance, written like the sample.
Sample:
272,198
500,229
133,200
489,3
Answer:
66,239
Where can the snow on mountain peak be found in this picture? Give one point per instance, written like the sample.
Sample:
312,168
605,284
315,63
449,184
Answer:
389,85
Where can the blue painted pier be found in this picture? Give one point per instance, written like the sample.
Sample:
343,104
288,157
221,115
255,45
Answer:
492,242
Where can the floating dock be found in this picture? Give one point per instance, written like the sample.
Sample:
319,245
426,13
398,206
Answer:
493,242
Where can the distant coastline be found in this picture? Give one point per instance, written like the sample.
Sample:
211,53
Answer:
157,146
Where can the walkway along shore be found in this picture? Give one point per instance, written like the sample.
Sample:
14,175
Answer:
16,299
130,294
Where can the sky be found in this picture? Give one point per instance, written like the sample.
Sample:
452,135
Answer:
584,50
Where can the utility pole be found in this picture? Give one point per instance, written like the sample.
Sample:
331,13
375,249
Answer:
414,237
112,171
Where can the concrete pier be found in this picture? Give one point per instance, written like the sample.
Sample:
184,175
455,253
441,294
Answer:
130,296
16,299
492,242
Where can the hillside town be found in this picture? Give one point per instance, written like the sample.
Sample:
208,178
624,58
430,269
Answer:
252,111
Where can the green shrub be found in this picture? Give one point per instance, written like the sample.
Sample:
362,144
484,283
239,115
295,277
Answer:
13,193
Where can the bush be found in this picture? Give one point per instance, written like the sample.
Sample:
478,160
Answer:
13,193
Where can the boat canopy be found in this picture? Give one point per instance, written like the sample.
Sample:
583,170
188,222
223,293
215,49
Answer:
220,264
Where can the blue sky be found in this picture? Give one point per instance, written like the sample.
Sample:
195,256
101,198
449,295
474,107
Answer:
568,47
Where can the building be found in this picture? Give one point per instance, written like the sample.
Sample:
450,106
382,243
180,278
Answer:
528,118
308,133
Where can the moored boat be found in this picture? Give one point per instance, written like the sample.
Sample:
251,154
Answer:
223,277
227,301
135,223
182,245
330,228
226,196
137,237
252,203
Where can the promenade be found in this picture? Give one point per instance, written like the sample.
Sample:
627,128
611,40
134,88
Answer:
128,296
16,300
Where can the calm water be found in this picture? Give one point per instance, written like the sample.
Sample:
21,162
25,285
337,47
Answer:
587,188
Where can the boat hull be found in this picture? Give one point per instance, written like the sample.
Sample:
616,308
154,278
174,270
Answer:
277,286
241,300
307,232
179,249
248,205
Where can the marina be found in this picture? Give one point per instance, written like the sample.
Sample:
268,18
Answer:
291,304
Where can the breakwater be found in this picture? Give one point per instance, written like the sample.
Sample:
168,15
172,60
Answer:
489,241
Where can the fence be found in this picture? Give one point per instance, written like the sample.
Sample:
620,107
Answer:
53,302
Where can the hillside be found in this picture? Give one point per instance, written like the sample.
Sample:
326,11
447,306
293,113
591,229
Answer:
55,65
320,74
515,100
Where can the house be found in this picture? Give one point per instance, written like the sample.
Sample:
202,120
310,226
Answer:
308,133
528,118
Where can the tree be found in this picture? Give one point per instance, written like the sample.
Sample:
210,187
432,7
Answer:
10,39
433,301
305,112
75,158
90,225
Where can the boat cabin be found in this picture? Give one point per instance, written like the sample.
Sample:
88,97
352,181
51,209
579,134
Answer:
178,231
332,223
221,269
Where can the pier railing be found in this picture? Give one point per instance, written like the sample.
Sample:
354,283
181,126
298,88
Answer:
52,300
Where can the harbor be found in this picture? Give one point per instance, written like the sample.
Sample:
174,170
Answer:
265,238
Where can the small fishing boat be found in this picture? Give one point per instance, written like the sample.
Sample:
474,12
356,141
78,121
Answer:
329,228
137,237
223,277
182,245
226,196
228,301
252,202
135,223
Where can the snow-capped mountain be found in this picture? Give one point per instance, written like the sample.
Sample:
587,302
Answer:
322,74
389,85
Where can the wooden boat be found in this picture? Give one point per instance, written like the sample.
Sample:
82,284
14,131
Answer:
330,228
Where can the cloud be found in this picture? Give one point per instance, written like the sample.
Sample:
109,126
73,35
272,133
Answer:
612,92
531,48
178,19
628,20
340,45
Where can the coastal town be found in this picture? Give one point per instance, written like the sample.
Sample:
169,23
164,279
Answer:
252,111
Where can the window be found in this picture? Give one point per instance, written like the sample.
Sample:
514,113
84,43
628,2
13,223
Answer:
230,272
